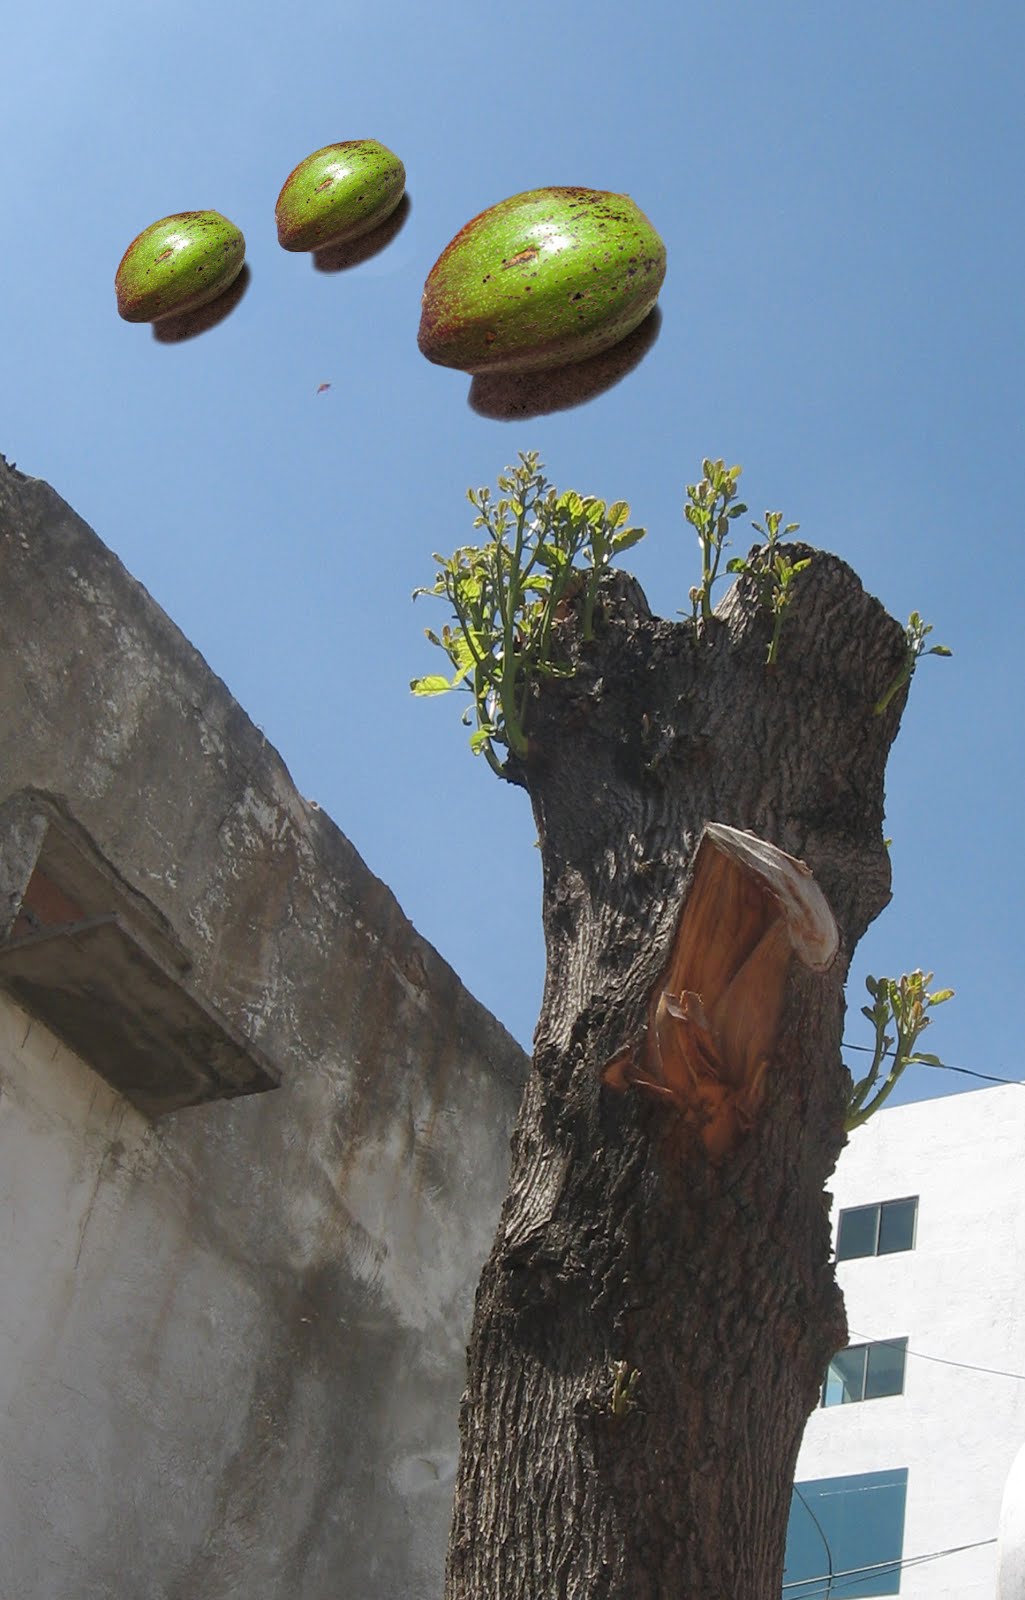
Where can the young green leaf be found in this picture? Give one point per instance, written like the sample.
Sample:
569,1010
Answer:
430,685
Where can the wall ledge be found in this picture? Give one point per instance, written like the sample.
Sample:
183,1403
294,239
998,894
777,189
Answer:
93,958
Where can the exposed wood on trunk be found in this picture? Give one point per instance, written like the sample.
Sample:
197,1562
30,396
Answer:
654,1234
714,1014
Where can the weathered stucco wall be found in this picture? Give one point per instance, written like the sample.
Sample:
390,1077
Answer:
231,1340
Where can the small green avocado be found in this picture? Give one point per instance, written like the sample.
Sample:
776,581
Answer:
178,264
338,194
543,279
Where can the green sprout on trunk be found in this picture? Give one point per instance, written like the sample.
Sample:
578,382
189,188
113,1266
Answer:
624,1382
710,510
914,637
901,1003
773,573
509,594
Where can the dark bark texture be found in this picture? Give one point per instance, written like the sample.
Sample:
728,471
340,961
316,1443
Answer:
624,1247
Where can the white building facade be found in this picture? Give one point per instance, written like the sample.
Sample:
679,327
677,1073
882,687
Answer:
907,1457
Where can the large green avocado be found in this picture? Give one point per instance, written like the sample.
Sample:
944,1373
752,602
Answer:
178,264
541,280
338,193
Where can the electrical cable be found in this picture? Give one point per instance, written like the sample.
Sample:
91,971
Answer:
943,1066
822,1536
944,1361
859,1573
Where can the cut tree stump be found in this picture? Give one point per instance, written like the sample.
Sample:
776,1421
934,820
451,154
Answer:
656,1317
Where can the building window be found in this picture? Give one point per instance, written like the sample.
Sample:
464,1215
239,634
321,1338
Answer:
865,1372
845,1537
879,1230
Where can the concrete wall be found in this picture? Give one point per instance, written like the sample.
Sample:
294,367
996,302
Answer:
231,1340
958,1297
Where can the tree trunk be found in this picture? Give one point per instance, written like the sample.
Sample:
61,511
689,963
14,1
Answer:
655,1319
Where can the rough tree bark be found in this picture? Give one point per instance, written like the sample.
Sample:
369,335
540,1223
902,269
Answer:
677,1233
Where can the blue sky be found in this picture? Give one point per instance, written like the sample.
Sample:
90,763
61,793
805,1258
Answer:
839,189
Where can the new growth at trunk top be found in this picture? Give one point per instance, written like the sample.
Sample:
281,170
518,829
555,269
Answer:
772,573
710,510
545,552
509,594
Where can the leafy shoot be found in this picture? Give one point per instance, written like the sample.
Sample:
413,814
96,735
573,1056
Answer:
901,1004
773,573
710,510
509,594
914,637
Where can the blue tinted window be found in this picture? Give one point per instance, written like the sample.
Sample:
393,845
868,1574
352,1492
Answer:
865,1372
884,1368
879,1230
897,1226
842,1525
845,1380
858,1234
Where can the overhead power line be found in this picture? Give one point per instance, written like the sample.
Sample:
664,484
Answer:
856,1574
944,1361
822,1536
941,1066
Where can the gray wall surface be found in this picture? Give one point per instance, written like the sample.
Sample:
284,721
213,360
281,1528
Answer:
231,1339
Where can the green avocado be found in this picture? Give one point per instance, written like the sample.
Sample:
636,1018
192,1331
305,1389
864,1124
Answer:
177,264
541,280
338,193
